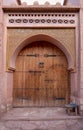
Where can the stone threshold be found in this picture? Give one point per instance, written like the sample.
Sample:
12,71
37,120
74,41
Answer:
52,119
38,114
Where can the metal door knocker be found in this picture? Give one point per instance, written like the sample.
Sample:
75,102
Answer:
41,64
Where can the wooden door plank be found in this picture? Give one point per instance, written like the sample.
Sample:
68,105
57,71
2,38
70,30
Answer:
39,79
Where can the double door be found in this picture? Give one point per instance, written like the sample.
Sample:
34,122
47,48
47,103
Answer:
41,78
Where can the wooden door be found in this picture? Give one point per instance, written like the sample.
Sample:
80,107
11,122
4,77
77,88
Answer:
41,77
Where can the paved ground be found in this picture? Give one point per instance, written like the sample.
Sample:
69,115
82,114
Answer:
40,119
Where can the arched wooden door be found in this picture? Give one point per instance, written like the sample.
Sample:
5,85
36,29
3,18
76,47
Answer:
41,77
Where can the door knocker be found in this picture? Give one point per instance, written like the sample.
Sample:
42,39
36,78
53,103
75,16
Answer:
41,64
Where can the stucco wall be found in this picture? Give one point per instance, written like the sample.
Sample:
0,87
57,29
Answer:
9,2
2,76
74,2
81,55
17,36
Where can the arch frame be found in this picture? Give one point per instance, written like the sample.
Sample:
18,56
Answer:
41,37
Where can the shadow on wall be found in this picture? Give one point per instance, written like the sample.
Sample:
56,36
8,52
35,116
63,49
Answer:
66,2
73,2
9,2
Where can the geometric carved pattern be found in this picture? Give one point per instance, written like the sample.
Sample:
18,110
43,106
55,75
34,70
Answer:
43,14
60,21
41,18
17,35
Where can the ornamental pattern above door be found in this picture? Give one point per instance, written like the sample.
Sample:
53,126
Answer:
42,19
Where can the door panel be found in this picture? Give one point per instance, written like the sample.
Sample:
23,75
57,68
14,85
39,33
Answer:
41,77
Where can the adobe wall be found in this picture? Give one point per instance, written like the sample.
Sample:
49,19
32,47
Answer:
73,2
66,36
81,56
9,2
19,32
2,100
6,78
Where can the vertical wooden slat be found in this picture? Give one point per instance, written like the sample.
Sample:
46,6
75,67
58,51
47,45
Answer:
41,85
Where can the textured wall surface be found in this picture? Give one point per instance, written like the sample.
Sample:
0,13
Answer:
0,54
17,36
2,102
9,2
74,2
81,55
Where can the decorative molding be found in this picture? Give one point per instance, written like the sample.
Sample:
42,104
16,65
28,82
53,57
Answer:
41,19
42,8
18,38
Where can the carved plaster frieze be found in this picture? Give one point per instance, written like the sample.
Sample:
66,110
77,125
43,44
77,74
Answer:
41,19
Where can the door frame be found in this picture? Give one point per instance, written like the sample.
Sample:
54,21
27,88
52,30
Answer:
25,42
